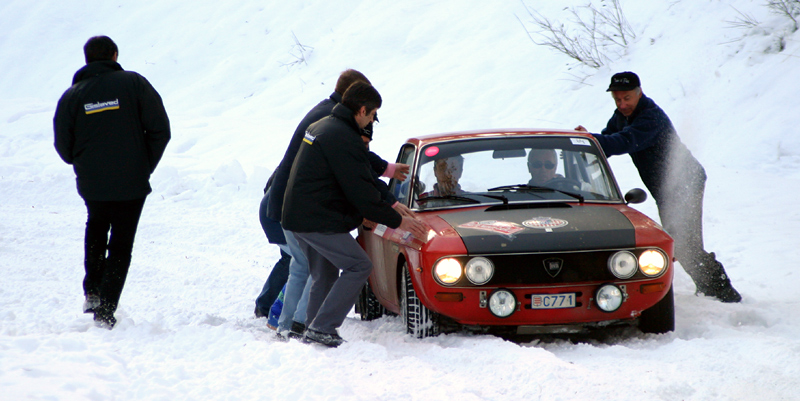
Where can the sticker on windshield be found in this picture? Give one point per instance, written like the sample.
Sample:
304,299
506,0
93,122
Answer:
545,223
506,228
580,141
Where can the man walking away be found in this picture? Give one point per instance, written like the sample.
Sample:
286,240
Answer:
112,128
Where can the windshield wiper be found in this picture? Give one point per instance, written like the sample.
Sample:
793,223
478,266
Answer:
448,197
526,187
518,187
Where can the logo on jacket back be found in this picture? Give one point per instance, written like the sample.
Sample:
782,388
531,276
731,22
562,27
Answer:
92,108
308,138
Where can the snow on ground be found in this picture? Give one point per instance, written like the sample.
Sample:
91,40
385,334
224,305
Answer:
236,77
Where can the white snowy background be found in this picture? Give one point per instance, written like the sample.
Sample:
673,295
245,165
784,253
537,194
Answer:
237,76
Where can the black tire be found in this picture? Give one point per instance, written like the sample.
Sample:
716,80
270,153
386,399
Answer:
660,318
367,305
419,321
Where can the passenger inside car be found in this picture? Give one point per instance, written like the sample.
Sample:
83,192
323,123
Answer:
448,172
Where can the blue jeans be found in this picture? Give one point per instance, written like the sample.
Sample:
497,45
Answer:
295,297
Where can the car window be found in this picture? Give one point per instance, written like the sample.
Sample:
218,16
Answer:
515,169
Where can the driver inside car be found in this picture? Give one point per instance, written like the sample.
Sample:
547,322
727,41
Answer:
542,165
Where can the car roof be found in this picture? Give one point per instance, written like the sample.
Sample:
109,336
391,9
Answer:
494,133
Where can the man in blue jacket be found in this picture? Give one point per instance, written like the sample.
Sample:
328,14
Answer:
111,126
672,175
330,191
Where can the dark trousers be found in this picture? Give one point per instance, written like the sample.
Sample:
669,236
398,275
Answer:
681,214
107,258
332,295
275,282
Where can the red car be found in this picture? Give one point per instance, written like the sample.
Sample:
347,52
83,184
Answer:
529,235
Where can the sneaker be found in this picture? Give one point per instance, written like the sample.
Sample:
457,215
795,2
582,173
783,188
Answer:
92,301
282,336
327,339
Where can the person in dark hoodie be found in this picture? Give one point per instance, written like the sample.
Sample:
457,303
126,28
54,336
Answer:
330,191
672,175
111,126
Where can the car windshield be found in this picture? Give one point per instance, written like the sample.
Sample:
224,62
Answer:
506,170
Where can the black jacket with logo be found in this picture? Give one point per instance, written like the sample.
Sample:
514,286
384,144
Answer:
279,178
112,127
331,186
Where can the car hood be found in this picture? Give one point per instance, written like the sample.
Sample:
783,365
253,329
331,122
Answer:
549,229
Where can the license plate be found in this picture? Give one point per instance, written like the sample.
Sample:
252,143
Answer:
552,301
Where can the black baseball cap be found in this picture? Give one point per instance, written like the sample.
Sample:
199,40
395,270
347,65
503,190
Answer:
624,81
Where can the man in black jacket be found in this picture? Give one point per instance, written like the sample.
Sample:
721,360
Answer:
293,315
330,192
671,174
112,128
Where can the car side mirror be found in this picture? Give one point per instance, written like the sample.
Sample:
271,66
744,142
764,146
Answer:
636,195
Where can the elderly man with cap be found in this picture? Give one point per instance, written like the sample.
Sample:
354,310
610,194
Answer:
672,175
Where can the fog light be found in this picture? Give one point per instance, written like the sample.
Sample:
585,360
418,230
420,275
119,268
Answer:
609,298
447,271
502,303
479,270
652,263
623,264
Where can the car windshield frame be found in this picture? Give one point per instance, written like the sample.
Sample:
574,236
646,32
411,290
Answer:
493,168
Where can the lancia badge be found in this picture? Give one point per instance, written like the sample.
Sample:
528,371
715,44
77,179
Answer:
553,266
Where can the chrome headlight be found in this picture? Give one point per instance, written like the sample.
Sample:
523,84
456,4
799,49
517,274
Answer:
479,270
502,303
623,264
609,298
652,263
447,271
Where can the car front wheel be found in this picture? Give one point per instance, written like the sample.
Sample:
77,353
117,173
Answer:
660,318
419,321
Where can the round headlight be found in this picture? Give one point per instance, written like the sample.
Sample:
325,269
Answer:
479,270
652,263
623,264
502,303
447,271
608,297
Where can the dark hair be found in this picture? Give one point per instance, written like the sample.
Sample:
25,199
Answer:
347,78
99,48
361,94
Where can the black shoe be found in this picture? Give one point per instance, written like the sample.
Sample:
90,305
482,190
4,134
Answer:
722,290
298,329
712,281
327,339
259,313
105,321
91,303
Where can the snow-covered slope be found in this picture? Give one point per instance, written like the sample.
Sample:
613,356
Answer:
236,78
